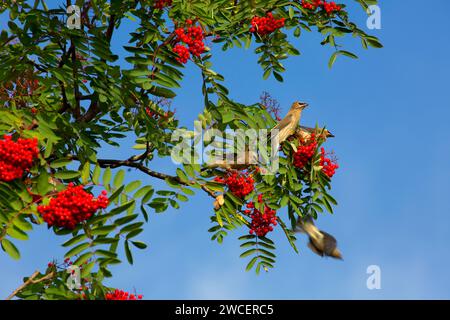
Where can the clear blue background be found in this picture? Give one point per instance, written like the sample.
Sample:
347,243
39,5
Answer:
389,112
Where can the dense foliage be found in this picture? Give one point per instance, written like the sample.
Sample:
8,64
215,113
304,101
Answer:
63,95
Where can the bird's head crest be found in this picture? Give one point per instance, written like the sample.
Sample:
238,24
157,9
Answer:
299,105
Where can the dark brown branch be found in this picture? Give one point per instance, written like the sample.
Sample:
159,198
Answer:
93,110
65,55
134,162
76,89
110,30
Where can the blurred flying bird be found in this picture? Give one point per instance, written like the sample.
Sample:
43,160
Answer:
320,242
288,125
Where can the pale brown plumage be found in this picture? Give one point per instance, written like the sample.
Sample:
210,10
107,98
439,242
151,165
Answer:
240,161
304,133
219,202
320,242
288,125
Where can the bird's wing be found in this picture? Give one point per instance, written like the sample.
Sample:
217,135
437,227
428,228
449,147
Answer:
314,248
329,243
307,225
284,122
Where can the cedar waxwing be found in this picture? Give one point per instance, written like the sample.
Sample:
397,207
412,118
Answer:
240,161
304,133
288,125
320,242
219,202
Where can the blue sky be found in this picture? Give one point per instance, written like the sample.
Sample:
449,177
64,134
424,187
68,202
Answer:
389,112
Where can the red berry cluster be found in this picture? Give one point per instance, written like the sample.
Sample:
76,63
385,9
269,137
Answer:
305,152
239,183
16,157
161,4
328,7
262,223
72,206
266,25
329,166
193,37
122,295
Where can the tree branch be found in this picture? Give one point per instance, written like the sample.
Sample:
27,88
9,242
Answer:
31,280
94,108
134,162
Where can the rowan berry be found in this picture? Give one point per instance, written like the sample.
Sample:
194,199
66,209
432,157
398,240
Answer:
16,157
266,25
122,295
183,53
329,165
328,7
193,37
161,4
305,151
239,183
72,206
262,223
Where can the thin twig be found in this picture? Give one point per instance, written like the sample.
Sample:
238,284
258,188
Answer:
31,280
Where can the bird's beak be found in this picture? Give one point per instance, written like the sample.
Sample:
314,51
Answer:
305,105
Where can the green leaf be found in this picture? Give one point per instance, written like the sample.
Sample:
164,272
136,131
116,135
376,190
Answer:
131,227
291,12
122,208
248,253
183,177
116,194
87,269
128,252
118,179
251,263
142,191
76,250
43,186
96,175
104,230
139,244
59,163
74,240
10,249
338,53
85,172
107,176
83,258
69,174
132,186
16,233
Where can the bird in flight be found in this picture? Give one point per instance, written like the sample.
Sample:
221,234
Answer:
320,242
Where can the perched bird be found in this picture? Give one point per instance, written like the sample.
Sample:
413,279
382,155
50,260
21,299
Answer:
239,161
320,242
219,202
304,133
288,125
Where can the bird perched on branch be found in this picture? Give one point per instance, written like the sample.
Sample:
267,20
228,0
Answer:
239,161
320,242
288,125
304,133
